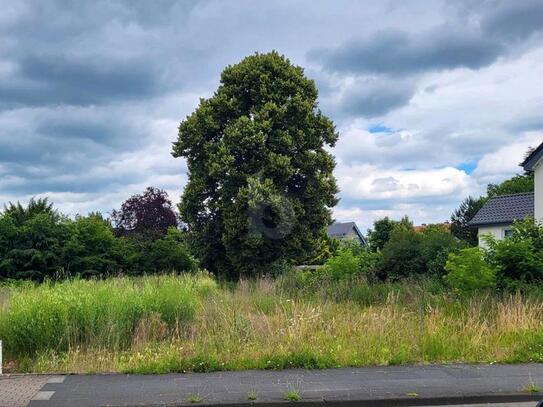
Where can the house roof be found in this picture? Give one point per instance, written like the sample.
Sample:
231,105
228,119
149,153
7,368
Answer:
341,229
533,158
505,209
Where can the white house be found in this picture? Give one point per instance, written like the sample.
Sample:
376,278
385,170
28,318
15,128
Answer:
497,215
534,163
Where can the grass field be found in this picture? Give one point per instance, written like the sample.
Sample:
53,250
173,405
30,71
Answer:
191,323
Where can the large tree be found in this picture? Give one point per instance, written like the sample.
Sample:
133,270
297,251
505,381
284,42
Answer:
460,218
260,183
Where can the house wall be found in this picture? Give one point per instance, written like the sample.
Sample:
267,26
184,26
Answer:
538,192
495,231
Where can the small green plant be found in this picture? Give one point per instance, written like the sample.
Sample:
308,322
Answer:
531,387
252,396
292,395
412,394
194,398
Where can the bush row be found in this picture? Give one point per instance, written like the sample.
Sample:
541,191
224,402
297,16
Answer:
434,252
38,243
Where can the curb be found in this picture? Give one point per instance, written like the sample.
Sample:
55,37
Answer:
399,401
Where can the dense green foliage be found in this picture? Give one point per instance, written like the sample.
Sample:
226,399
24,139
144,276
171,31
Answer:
36,242
380,234
460,219
515,185
32,240
91,248
409,253
382,231
468,271
518,259
260,183
514,262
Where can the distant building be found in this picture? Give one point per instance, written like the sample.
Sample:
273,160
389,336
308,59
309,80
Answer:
346,230
445,226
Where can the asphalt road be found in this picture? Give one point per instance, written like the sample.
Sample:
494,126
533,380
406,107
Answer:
374,386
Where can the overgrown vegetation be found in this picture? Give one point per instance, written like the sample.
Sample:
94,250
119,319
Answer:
189,323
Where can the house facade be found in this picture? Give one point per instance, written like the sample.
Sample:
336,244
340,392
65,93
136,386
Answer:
534,163
497,215
346,230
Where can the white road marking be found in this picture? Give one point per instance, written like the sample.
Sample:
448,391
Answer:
56,379
43,395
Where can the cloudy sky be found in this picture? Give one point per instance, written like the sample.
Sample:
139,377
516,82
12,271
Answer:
432,99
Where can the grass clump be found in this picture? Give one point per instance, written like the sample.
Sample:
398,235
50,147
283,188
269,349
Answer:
194,398
531,387
292,395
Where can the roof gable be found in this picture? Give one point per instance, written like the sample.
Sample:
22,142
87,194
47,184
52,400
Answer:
341,229
505,209
531,161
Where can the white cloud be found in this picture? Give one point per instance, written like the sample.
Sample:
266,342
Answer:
368,182
505,161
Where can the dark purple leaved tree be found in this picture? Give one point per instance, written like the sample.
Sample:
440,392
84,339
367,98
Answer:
149,214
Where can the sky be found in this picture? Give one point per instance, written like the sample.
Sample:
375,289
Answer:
432,99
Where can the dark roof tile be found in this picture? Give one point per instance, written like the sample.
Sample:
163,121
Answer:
341,229
505,209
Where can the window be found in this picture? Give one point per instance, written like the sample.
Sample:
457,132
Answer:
507,233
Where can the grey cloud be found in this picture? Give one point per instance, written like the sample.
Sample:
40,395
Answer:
372,98
386,184
513,19
55,79
57,149
399,53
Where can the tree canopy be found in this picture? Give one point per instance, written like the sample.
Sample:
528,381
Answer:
515,185
461,217
150,213
260,183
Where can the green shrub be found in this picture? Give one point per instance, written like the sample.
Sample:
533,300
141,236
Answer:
32,247
92,249
170,254
467,271
518,259
402,254
344,264
437,243
408,253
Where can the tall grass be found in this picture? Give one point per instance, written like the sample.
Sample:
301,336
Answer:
103,314
189,323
